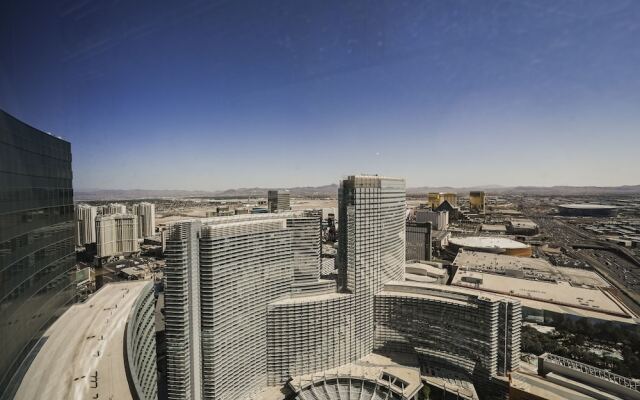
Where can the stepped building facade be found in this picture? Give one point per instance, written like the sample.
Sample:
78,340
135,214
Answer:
247,312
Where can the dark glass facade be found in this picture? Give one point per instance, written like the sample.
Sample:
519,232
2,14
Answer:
36,237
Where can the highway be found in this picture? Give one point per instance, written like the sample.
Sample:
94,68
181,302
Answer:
604,257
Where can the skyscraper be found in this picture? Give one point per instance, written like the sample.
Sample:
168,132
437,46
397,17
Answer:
247,311
477,201
221,275
418,241
371,244
374,207
252,284
114,208
85,220
116,234
313,333
146,213
36,237
278,200
434,199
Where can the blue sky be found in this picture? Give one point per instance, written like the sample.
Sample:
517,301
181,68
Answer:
214,95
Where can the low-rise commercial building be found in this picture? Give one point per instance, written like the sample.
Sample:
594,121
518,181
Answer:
491,244
586,379
587,210
522,226
537,269
499,229
557,297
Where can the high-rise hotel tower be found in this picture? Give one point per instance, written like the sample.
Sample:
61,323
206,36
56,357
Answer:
222,273
247,312
85,220
371,245
146,213
245,305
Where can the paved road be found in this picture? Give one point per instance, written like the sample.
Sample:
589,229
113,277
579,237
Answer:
620,271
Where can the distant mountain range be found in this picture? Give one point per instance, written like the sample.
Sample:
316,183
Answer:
332,190
536,190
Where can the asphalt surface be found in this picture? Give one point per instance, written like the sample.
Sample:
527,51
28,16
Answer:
620,271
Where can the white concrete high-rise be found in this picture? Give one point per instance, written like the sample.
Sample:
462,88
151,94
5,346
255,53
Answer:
278,200
221,274
85,220
439,219
371,245
146,213
314,333
418,241
116,235
247,311
262,271
114,208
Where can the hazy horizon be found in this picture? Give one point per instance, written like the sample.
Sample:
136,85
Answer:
409,186
215,96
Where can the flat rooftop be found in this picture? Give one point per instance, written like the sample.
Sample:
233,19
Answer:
419,278
533,268
587,206
538,386
311,299
506,211
87,339
433,291
578,312
424,269
494,228
560,293
487,242
523,223
498,262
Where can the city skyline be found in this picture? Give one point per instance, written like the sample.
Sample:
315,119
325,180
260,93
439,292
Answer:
194,98
337,200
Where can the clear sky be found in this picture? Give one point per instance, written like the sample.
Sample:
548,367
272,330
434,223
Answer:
223,94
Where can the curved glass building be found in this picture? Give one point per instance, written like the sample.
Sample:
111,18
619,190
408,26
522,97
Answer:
36,237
